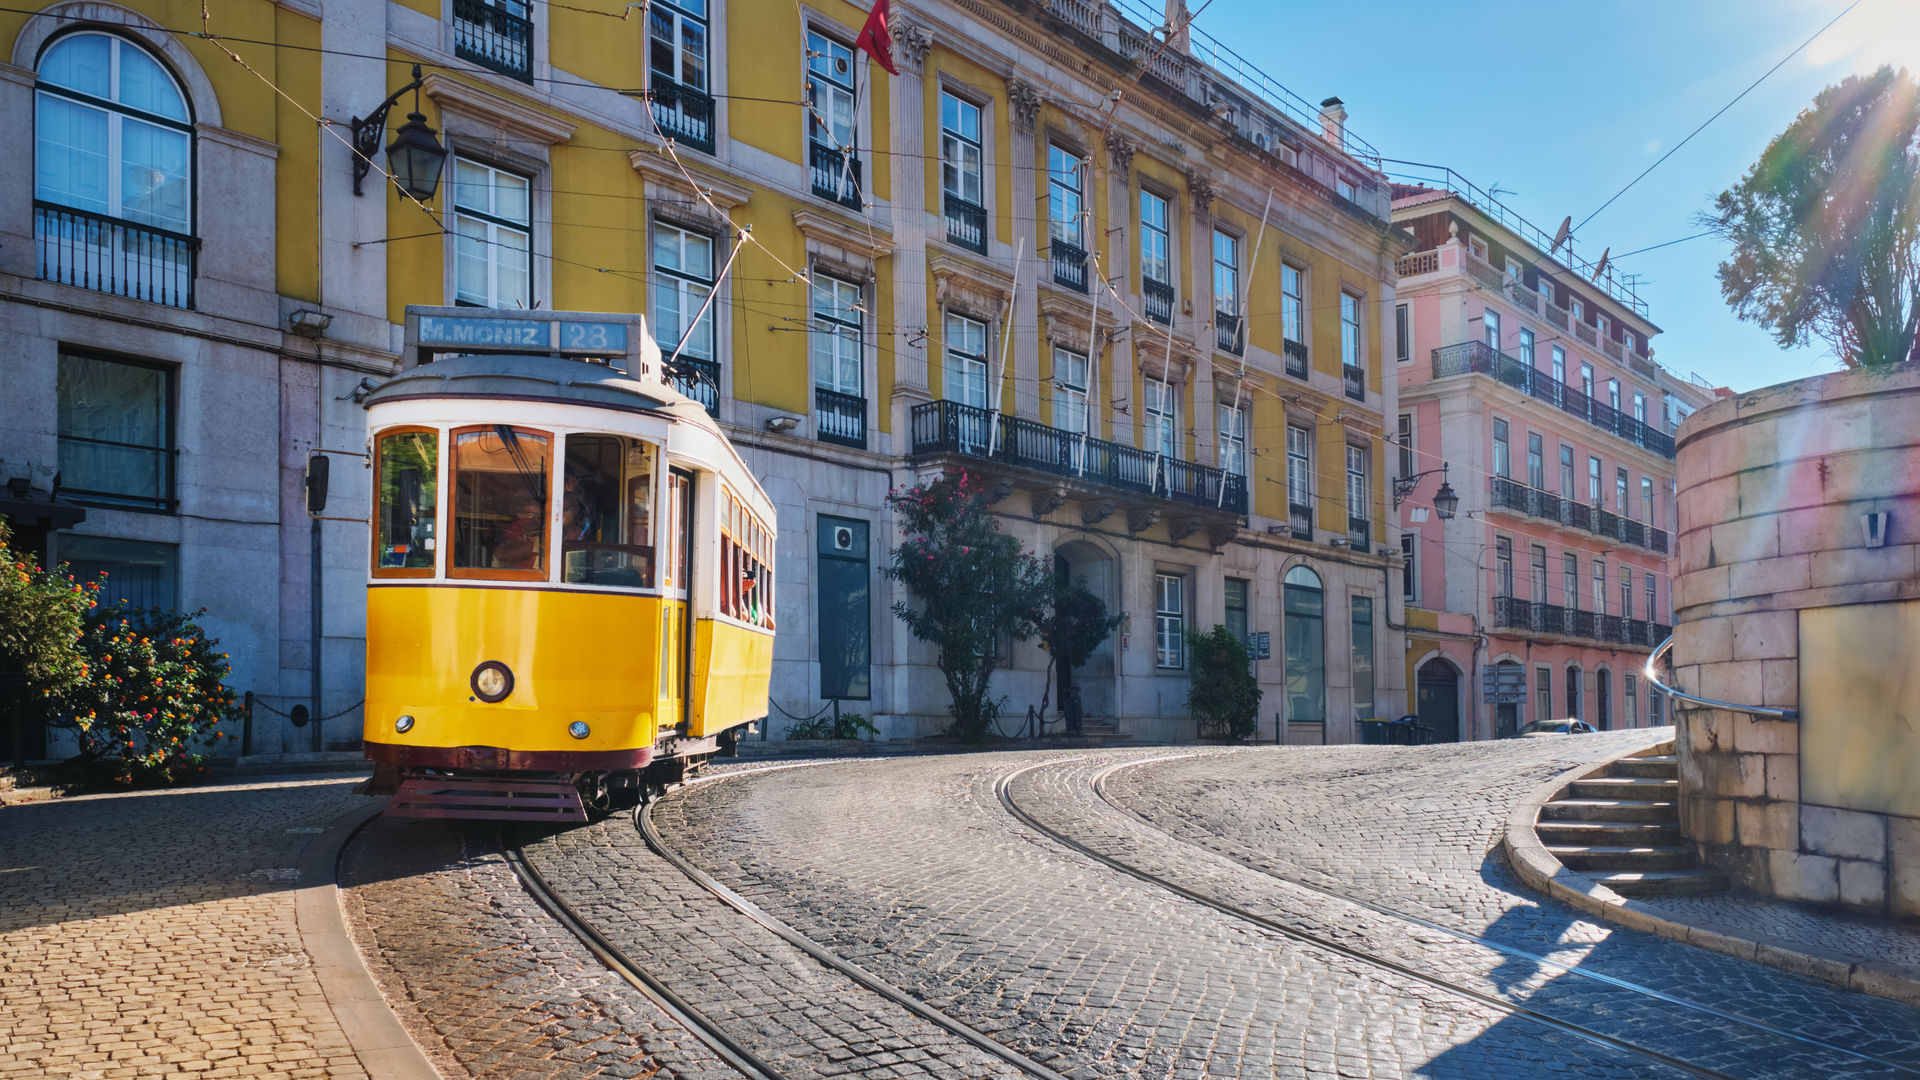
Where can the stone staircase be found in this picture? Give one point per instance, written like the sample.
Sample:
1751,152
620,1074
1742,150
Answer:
1621,828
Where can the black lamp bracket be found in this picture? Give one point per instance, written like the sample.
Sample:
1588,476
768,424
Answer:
368,130
1403,485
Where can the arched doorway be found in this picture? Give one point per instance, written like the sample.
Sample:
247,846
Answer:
1438,702
1506,714
1091,566
1303,601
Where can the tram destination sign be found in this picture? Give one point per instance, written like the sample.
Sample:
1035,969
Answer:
486,333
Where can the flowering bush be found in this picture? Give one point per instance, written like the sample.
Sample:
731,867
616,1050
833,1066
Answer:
40,613
156,690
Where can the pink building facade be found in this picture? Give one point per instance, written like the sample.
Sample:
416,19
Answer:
1529,379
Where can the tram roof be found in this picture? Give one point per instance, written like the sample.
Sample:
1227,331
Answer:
543,378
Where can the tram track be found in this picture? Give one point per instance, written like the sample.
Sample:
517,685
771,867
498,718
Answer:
1004,790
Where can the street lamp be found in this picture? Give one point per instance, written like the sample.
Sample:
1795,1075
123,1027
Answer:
1444,500
415,158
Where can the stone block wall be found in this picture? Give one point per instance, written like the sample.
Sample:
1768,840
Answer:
1772,488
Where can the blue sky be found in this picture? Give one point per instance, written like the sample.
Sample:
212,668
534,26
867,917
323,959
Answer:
1562,104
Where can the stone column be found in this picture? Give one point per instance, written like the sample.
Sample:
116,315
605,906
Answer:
1029,183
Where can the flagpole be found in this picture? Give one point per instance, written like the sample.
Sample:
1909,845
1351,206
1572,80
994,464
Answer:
1006,343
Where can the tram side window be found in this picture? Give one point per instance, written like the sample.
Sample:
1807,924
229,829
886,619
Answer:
500,509
606,512
744,565
407,508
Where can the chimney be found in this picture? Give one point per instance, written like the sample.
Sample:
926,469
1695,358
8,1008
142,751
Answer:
1177,20
1333,121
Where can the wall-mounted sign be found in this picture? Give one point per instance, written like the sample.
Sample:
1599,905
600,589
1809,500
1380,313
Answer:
1262,646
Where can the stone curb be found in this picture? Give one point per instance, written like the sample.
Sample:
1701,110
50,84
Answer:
383,1047
1540,870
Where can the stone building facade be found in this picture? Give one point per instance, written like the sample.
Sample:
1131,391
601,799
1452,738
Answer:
1165,311
1527,374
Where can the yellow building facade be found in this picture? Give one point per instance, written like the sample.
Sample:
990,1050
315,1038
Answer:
1129,279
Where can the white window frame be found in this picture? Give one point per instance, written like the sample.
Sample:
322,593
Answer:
686,287
1160,417
491,226
1352,351
1066,196
843,337
1232,422
118,114
954,144
1226,273
1293,293
1069,390
1169,621
1149,230
1300,468
1359,492
1402,334
962,367
1490,328
825,92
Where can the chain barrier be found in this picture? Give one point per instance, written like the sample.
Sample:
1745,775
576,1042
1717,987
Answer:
261,702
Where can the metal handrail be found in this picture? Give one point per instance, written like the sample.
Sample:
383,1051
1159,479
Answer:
1756,710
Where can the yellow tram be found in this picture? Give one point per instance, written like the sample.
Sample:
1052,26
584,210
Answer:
570,595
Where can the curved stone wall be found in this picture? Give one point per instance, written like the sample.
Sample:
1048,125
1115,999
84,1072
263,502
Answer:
1783,598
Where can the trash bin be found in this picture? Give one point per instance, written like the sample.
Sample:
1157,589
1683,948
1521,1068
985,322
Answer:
1375,732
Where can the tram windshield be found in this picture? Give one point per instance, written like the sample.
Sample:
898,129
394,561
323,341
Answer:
405,517
606,512
500,503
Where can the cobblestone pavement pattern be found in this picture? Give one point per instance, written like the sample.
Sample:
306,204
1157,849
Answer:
153,934
913,870
483,979
1418,833
804,1019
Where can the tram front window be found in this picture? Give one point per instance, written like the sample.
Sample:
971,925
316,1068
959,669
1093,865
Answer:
500,503
406,511
606,511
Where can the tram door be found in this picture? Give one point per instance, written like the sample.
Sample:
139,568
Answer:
676,608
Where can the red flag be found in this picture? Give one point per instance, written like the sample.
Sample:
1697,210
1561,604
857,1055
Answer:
876,40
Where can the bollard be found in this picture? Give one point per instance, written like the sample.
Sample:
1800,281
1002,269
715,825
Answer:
246,727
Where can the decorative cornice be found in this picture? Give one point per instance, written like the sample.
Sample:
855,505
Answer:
659,170
978,290
1200,186
910,44
1025,100
829,230
1120,151
1069,321
500,111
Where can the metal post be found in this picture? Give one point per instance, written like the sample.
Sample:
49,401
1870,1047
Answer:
314,581
246,727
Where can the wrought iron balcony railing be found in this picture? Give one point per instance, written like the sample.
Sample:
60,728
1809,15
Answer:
498,36
92,251
1158,297
966,223
683,113
1226,332
1355,378
1359,534
1521,499
699,380
836,175
1479,358
1296,357
839,418
1512,613
953,428
1069,264
1300,520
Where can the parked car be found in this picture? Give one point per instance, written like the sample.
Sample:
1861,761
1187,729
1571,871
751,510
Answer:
1567,726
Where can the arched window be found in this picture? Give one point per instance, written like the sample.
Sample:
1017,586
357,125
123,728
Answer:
113,170
1304,606
1574,692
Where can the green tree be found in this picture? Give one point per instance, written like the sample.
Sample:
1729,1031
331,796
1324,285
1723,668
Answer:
155,691
1825,227
1075,624
1223,694
40,618
972,587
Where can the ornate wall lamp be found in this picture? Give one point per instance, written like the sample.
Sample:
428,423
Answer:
415,158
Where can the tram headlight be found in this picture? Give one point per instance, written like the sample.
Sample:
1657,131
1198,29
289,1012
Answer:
403,725
579,729
492,681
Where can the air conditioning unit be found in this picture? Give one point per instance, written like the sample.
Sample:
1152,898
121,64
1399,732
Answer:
842,538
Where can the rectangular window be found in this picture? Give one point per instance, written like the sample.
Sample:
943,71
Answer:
1646,500
1406,445
1566,471
1169,621
1543,692
501,479
677,57
1233,437
1640,406
1063,199
1299,474
1593,482
1162,416
1537,565
837,357
1620,492
966,368
682,280
1526,347
829,92
493,236
1402,334
1069,390
960,155
1359,504
1350,355
1502,566
844,609
1293,317
606,512
115,432
1599,587
1501,466
406,506
1409,575
1491,323
1653,612
1536,463
1362,657
1570,581
1586,380
1579,309
1154,238
1630,701
139,574
1626,592
1226,273
1559,365
1236,608
1655,707
1613,394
